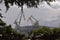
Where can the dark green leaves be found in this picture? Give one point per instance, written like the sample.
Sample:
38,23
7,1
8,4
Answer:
9,34
46,33
2,23
28,3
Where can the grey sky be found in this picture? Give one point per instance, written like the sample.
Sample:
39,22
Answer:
46,15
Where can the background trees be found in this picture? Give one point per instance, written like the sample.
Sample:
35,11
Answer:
46,33
28,3
7,33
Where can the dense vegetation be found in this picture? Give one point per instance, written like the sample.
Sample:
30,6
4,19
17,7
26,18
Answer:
45,33
7,33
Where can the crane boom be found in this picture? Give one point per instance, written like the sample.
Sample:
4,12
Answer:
33,18
33,23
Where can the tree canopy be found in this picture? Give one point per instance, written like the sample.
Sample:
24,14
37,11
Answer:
46,33
8,33
28,3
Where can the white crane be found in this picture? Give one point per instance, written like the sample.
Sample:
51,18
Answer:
33,23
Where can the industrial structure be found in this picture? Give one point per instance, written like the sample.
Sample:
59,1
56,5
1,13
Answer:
27,28
32,19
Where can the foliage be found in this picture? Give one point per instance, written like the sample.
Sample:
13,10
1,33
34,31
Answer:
2,23
28,3
46,33
7,33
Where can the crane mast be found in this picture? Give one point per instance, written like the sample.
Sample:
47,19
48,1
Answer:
20,15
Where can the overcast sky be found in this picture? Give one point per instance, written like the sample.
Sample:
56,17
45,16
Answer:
46,15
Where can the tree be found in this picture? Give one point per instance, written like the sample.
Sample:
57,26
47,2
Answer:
2,23
7,33
46,34
28,3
